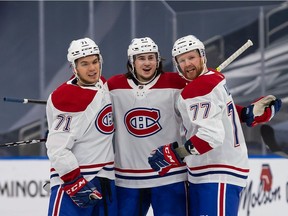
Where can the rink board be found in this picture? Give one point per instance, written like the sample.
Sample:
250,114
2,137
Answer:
21,190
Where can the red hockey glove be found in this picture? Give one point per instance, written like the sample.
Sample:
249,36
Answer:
262,110
164,158
82,192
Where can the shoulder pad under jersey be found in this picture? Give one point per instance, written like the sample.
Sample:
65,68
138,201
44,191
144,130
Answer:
72,98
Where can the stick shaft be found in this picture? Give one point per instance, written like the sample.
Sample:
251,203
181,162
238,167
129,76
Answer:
24,100
18,143
234,55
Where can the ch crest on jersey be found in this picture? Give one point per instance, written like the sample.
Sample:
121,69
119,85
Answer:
142,122
104,121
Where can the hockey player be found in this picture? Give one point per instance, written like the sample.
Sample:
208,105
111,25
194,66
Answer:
79,143
143,102
215,151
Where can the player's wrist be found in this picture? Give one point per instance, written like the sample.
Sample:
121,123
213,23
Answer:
247,115
190,148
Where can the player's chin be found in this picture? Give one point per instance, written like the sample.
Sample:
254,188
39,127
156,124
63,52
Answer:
190,75
90,81
94,78
148,76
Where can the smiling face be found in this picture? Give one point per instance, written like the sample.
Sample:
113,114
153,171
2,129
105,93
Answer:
191,64
145,66
88,70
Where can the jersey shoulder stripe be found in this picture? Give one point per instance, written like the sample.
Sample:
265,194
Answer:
72,98
202,85
170,80
118,82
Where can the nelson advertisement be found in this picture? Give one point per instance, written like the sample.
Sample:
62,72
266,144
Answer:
266,193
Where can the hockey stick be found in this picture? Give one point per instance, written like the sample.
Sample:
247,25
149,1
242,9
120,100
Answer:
234,55
181,150
268,136
19,143
24,101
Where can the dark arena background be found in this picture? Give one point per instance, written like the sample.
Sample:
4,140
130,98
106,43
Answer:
34,39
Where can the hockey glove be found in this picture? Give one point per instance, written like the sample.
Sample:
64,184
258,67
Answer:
83,193
164,158
262,110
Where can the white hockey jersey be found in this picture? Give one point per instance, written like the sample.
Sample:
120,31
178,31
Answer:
145,119
80,132
212,125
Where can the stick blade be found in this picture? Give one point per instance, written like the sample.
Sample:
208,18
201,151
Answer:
268,135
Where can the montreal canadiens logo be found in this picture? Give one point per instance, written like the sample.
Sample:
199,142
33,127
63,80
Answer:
142,122
104,121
